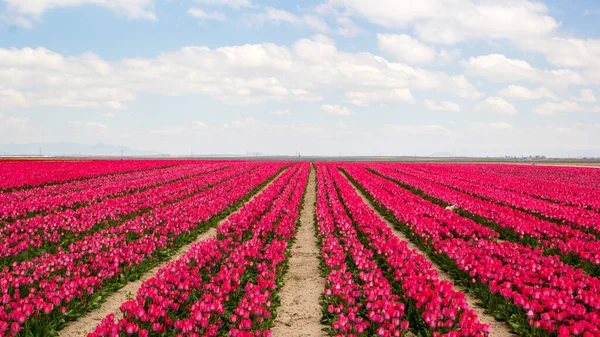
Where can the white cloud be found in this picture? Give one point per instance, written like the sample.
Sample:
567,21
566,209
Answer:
499,68
240,122
583,54
522,93
11,123
239,75
89,125
365,98
585,95
404,48
15,19
443,106
566,52
336,110
277,16
109,115
201,14
448,56
554,108
347,27
494,126
282,113
12,99
22,10
499,105
341,125
460,86
44,78
200,125
450,22
235,4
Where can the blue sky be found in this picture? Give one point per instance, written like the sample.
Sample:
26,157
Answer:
390,77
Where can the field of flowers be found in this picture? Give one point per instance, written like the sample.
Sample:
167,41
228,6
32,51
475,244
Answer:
531,288
521,241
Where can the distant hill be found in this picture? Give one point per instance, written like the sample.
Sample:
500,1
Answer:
70,149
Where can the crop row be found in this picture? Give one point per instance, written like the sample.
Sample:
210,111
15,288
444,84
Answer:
573,245
375,285
40,295
20,174
573,176
53,198
223,286
27,238
554,190
539,295
578,217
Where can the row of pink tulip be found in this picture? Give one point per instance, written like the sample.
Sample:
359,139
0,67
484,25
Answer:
83,193
570,175
548,234
40,294
538,294
511,180
53,198
573,215
27,173
434,223
222,286
358,298
441,310
25,237
255,311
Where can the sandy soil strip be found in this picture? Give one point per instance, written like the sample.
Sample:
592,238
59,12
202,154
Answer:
88,322
498,329
299,314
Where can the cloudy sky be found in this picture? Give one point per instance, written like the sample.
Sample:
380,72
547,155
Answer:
350,77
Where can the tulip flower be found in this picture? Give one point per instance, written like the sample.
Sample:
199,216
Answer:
216,272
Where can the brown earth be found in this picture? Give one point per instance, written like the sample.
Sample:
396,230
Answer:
300,313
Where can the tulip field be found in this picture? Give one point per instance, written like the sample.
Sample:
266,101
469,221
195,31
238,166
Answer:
415,249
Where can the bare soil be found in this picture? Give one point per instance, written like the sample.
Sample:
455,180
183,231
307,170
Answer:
497,328
88,322
299,314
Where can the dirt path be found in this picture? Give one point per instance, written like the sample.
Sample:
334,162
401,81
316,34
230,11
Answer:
88,322
299,314
498,329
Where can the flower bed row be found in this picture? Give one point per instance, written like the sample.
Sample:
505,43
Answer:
578,217
539,295
573,245
27,238
522,180
49,199
375,284
222,286
28,173
40,295
574,176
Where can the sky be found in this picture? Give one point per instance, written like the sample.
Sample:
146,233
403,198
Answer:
328,77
